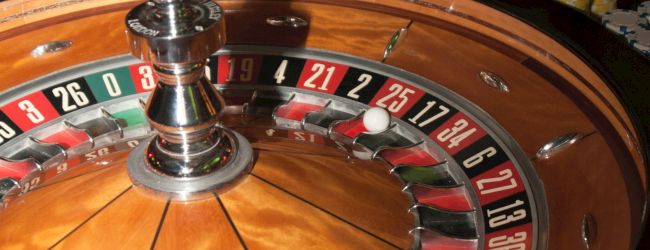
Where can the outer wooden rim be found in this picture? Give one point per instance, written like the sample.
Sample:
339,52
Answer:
520,36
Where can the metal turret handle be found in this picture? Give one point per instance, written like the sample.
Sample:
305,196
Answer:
177,36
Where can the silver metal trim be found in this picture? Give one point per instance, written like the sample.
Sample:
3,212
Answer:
557,145
588,230
287,21
393,42
192,188
443,216
51,47
493,80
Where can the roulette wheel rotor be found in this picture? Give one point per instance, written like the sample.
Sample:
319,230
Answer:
489,129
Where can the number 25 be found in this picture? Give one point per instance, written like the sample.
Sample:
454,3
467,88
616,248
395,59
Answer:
396,105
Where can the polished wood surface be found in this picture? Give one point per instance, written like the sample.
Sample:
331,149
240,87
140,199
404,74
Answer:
291,200
60,208
129,221
16,14
197,225
518,35
586,183
534,112
526,39
268,218
361,192
347,30
86,46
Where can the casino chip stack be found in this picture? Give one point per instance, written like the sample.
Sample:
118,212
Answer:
624,21
600,7
640,40
644,10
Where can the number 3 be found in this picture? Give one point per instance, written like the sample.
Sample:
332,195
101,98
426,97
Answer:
147,77
32,113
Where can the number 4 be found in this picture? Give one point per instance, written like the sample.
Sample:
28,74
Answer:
279,73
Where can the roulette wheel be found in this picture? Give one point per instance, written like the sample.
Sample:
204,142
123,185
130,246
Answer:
318,124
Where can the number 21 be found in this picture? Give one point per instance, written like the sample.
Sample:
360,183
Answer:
318,69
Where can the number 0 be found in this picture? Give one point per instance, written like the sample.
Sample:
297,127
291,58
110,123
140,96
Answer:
111,85
6,132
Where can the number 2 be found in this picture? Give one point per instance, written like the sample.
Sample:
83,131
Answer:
364,79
